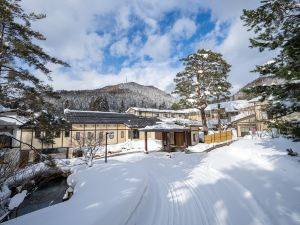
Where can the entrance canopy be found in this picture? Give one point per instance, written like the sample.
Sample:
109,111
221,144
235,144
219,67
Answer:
166,128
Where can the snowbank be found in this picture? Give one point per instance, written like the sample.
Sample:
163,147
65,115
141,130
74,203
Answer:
103,194
17,200
135,145
252,181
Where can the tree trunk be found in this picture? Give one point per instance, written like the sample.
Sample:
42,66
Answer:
219,113
204,123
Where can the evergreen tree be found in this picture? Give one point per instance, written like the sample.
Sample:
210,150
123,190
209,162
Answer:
122,107
20,57
276,24
162,106
204,77
99,104
105,105
175,106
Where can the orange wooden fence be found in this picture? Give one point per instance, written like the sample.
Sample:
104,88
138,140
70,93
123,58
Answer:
218,137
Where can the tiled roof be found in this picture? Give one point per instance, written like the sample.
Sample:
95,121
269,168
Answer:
97,117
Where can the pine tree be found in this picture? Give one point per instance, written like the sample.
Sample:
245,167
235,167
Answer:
276,24
122,107
20,58
99,104
105,105
162,106
175,106
203,78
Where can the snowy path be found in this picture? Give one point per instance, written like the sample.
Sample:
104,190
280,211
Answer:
251,182
169,199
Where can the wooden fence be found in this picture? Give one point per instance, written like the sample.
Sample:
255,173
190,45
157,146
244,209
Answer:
218,137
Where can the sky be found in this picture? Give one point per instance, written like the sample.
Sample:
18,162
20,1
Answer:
116,41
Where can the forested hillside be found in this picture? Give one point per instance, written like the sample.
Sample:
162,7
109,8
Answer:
114,98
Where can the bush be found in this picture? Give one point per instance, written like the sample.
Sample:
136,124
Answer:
291,152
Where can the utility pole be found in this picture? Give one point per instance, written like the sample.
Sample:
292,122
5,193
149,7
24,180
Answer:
219,113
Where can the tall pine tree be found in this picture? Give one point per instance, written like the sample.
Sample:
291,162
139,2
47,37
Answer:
20,58
276,24
203,78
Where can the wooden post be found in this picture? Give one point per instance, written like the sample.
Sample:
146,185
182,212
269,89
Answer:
168,142
163,140
186,142
146,143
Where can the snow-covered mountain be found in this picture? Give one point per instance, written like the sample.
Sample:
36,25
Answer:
114,98
260,81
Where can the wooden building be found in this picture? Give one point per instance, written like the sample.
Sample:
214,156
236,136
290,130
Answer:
191,114
82,125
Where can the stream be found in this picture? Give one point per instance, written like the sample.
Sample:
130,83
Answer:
47,194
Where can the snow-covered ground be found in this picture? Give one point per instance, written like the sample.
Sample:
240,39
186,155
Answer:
249,182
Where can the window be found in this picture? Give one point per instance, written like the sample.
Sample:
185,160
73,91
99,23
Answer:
37,133
67,133
140,113
112,135
89,135
57,134
101,135
135,134
157,114
122,134
165,115
77,136
194,138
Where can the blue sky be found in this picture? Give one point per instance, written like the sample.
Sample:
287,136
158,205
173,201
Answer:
109,42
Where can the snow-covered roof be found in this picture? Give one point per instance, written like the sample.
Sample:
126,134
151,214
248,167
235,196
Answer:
242,116
171,124
12,120
182,111
86,111
183,121
230,106
164,126
211,123
3,109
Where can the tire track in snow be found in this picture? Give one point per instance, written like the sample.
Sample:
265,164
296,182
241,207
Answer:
194,198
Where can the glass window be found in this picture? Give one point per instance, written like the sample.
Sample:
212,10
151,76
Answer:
122,134
135,134
101,135
37,133
57,134
89,135
77,136
67,133
194,138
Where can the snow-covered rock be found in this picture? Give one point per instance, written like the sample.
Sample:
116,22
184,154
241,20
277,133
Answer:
17,199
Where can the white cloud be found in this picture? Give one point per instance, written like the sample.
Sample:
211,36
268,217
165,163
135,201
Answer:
79,32
157,47
145,73
184,27
119,48
236,52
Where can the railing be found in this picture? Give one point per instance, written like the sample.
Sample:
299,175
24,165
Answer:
218,137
